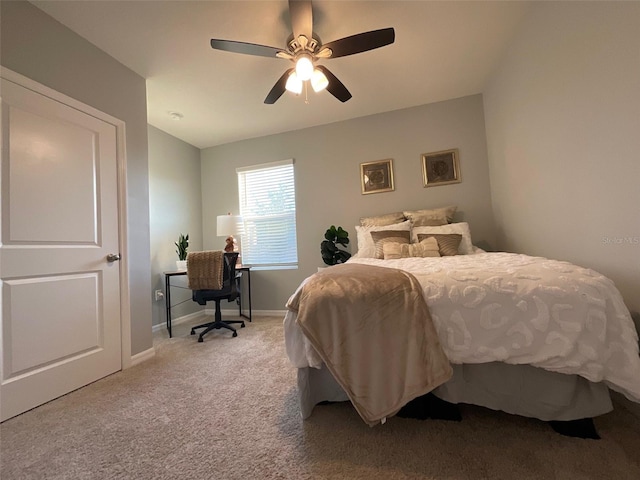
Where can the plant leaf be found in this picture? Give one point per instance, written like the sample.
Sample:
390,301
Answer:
327,246
342,256
343,241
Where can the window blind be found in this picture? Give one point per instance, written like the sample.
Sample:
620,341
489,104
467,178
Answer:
268,209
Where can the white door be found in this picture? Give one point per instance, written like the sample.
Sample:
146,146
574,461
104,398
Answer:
60,296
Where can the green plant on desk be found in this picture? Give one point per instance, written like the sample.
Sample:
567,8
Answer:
183,245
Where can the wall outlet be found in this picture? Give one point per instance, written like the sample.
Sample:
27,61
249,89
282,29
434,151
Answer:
159,295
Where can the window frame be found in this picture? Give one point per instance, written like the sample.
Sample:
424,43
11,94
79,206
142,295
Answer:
249,218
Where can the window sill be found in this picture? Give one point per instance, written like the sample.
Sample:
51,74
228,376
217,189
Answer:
273,267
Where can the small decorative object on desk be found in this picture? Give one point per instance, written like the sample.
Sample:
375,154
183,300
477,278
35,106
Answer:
230,245
331,253
227,226
181,265
183,245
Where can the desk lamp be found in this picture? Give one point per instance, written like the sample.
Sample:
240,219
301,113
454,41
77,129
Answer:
228,226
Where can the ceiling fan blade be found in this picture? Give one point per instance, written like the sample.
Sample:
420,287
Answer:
246,48
335,87
361,42
301,15
278,89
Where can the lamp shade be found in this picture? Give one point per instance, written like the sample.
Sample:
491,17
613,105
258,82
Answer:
228,225
319,80
304,67
294,84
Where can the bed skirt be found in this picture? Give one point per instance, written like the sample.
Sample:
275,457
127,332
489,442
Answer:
517,389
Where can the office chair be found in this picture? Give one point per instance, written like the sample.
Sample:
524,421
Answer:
212,277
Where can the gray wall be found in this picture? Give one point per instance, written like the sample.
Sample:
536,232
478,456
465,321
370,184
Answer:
175,207
38,47
327,169
563,123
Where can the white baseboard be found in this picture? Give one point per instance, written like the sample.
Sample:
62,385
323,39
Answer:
270,313
176,321
211,312
234,312
142,356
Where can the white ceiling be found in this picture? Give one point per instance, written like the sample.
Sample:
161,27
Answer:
443,50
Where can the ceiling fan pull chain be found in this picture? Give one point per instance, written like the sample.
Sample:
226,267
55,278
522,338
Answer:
306,93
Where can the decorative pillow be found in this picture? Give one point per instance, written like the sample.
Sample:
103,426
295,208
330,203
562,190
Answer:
389,236
426,248
465,248
429,220
382,220
366,247
448,243
432,214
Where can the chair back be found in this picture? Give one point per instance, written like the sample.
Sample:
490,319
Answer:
229,276
227,287
205,270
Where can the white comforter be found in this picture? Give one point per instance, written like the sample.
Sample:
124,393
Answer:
521,310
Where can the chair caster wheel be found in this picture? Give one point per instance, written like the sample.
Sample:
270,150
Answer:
242,325
193,332
235,334
199,339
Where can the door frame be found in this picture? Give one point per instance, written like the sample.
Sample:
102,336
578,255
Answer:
121,165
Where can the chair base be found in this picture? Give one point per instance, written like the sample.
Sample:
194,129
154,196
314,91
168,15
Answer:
216,324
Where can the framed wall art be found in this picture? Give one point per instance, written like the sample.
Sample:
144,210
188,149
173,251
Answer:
440,168
377,177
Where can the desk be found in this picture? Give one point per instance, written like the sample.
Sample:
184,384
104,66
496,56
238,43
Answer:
240,273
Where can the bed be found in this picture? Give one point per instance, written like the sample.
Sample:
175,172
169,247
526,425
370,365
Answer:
526,335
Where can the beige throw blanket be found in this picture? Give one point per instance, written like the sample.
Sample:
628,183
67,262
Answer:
371,327
205,270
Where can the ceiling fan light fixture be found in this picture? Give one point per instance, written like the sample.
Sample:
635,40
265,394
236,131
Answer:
304,67
294,84
304,50
318,80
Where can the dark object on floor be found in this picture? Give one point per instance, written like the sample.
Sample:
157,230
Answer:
430,406
582,428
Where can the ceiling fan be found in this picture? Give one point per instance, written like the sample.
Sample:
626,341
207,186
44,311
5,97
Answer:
305,50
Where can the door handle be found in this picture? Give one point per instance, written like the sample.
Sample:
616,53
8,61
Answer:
113,257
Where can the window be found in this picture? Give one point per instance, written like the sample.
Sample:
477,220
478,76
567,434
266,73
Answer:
268,208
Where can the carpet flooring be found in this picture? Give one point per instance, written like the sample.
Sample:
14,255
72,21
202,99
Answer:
227,409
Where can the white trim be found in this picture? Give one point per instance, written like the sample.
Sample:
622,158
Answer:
177,321
125,302
121,160
254,312
270,313
291,266
265,165
211,312
143,356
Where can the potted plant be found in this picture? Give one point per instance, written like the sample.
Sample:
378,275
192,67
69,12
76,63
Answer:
182,244
331,252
